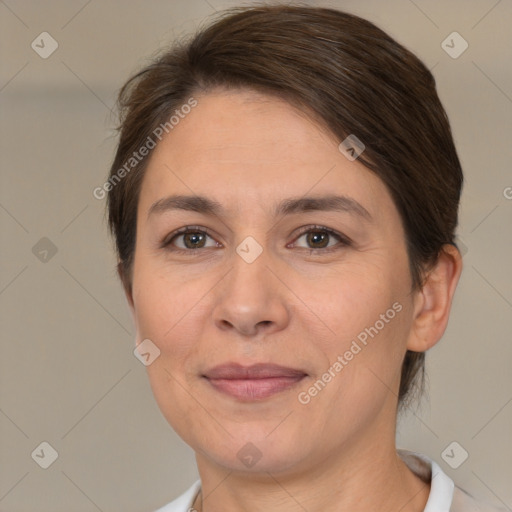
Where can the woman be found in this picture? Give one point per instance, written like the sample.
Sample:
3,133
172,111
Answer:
283,200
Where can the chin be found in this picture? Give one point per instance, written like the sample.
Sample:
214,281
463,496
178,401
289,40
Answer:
253,453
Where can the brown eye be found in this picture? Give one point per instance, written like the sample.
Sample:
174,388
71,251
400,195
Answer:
317,239
188,239
193,240
322,239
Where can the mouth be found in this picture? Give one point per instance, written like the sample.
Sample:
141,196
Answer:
256,382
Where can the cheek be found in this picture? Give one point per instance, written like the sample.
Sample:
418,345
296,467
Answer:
360,303
167,313
369,315
160,298
172,311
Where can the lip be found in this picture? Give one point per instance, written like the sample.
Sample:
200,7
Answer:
254,371
255,382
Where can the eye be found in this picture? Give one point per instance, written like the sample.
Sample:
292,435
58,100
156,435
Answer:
317,238
320,238
191,238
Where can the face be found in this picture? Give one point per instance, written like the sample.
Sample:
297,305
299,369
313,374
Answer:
264,276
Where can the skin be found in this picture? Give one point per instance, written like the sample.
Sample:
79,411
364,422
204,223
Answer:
209,306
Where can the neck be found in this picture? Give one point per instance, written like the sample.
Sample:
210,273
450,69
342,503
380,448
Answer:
360,479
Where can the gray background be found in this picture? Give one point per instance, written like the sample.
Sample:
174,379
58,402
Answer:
68,373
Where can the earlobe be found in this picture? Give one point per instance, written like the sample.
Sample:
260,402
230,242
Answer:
433,302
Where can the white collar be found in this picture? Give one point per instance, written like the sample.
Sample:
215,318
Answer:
441,485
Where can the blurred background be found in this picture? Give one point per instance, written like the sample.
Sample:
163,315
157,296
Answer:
79,427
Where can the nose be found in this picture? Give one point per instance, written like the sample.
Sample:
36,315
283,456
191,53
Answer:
251,299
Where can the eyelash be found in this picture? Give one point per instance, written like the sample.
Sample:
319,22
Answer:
343,240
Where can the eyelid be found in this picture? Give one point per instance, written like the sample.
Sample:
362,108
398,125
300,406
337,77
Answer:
318,227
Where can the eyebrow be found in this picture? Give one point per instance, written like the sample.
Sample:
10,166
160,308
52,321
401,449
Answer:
207,206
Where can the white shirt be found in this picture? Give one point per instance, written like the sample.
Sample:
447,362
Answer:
444,495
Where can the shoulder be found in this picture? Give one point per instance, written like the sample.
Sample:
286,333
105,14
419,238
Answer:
183,502
464,502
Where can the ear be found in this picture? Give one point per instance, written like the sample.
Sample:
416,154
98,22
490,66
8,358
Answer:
433,302
125,280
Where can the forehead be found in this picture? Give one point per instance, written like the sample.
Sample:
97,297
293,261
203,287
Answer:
245,124
242,146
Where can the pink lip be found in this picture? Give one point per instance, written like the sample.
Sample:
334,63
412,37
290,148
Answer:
254,382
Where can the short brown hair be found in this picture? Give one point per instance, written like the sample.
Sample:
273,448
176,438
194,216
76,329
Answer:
341,69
